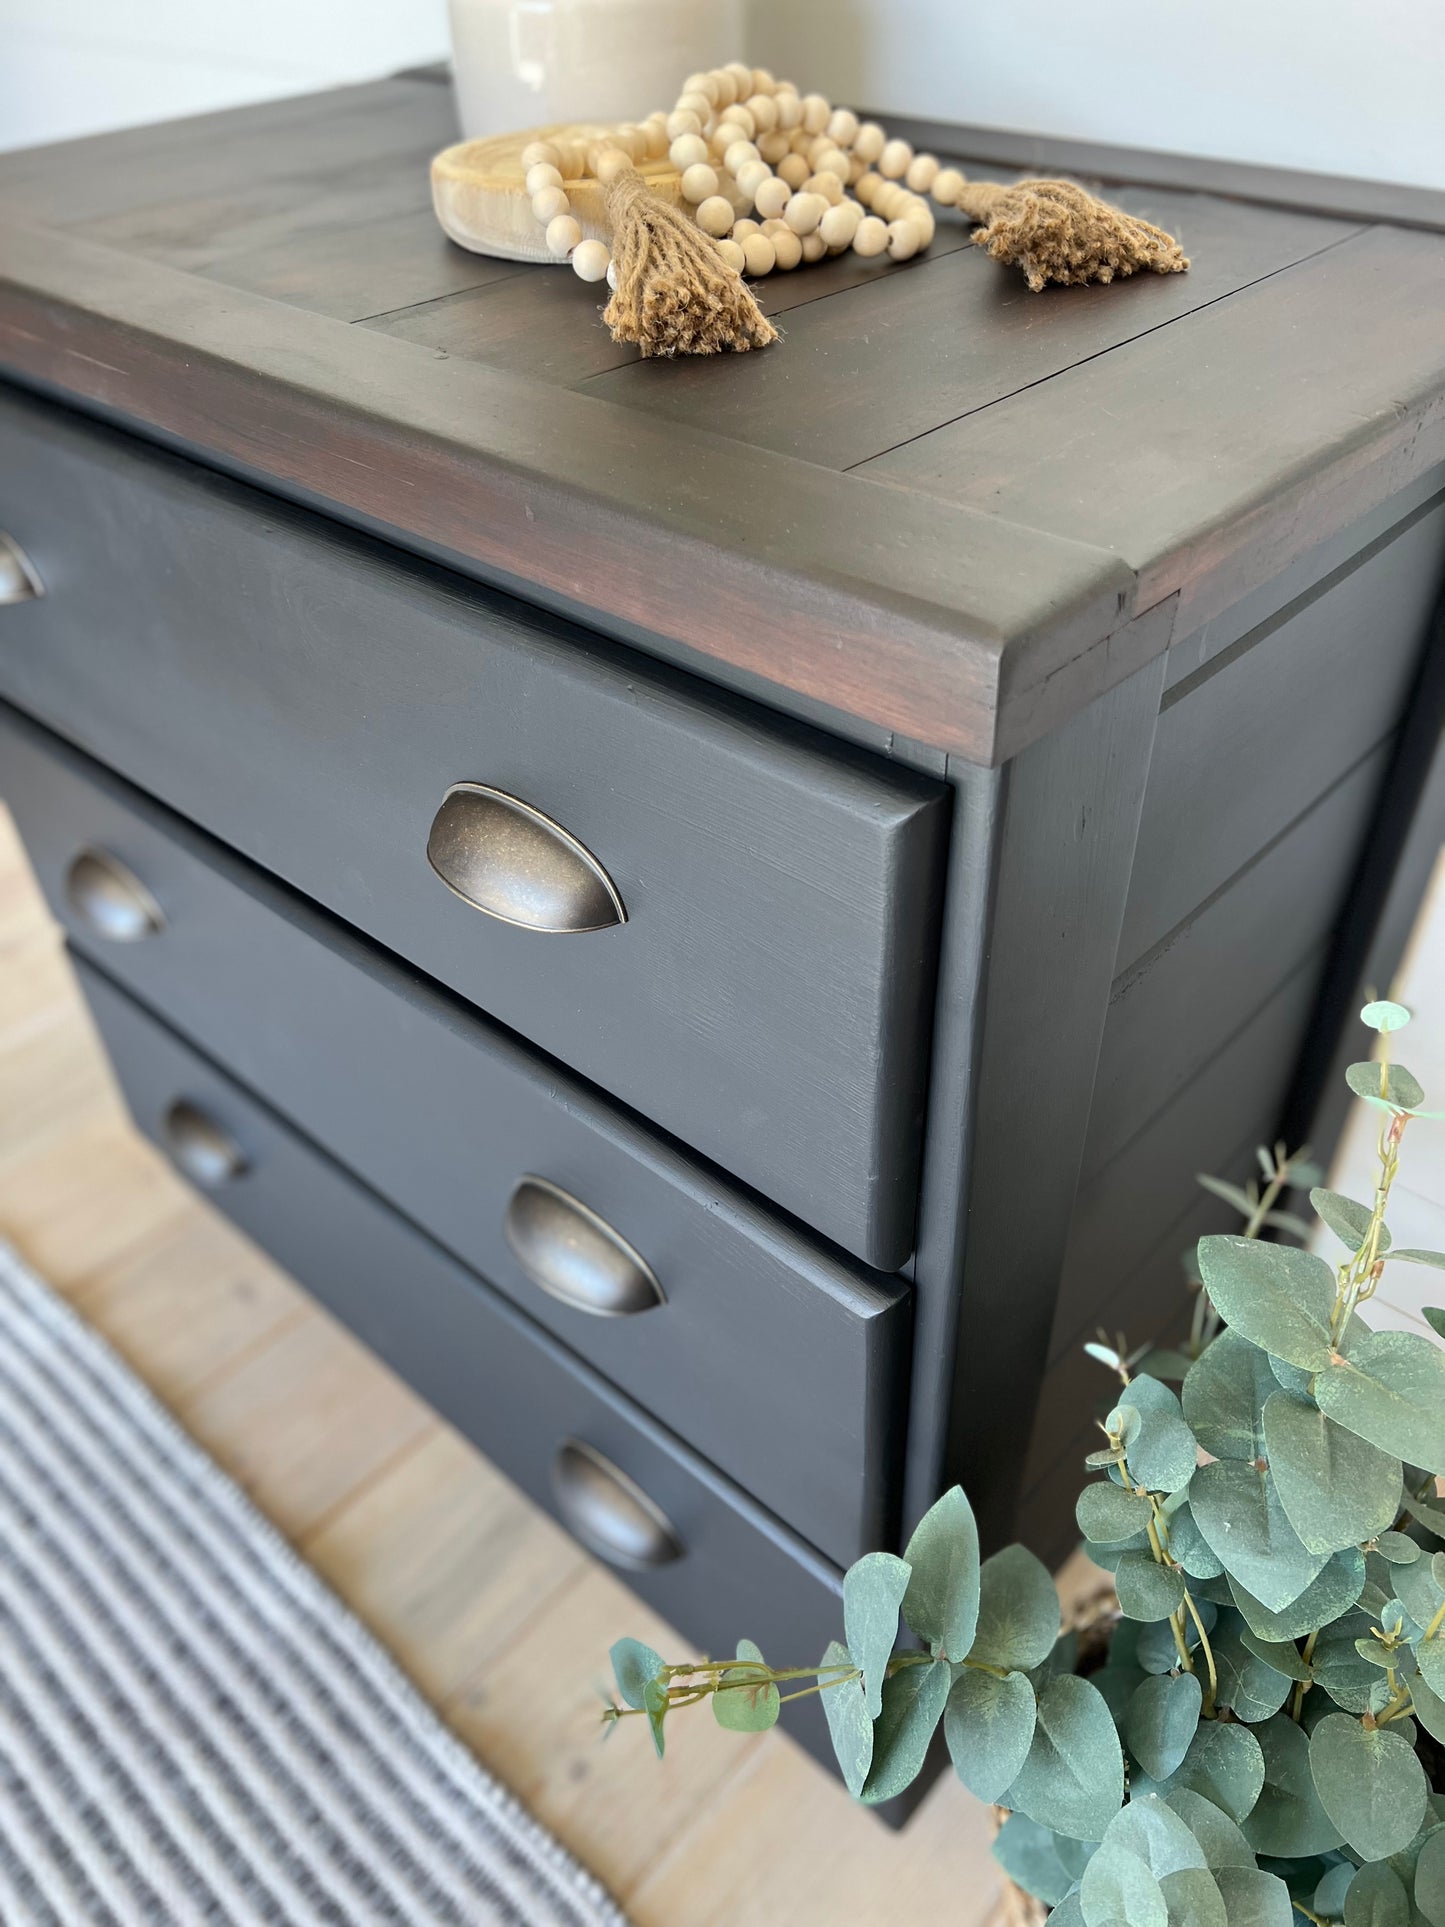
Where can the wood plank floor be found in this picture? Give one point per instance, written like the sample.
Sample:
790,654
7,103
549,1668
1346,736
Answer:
499,1618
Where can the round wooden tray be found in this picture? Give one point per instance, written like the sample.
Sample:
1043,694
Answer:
480,194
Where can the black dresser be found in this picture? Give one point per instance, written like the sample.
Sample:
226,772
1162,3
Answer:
712,911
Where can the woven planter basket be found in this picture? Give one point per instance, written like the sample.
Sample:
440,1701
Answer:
1093,1618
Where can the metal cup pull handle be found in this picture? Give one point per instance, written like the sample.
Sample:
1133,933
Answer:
109,899
511,862
569,1252
19,581
200,1147
609,1512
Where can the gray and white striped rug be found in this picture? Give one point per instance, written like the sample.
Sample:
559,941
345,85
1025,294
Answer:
193,1729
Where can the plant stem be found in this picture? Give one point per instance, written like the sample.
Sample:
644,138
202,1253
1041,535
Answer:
1208,1708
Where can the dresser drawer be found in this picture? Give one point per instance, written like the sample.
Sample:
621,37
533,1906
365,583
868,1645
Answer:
711,1562
780,1362
357,722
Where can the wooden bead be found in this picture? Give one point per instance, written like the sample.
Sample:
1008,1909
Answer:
843,126
764,110
682,120
698,181
539,153
840,224
790,110
816,113
902,240
563,234
787,248
921,172
705,84
794,170
814,247
763,82
871,238
726,85
715,216
893,161
771,196
743,228
549,202
751,175
590,260
543,174
742,73
869,142
759,253
742,118
828,185
569,158
612,162
866,186
687,150
732,253
738,155
773,146
804,211
946,187
694,101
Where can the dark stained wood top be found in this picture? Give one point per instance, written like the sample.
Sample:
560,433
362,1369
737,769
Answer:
942,509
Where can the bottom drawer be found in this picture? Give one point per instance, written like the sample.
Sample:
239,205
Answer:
712,1563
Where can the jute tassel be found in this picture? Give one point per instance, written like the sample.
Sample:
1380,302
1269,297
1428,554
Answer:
675,294
1057,231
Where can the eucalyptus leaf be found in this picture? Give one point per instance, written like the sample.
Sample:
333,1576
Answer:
1224,1397
1275,1295
941,1603
873,1590
1161,1720
1390,1391
1413,1255
1164,1362
1385,1084
633,1665
1430,1879
1029,1855
1228,1193
1108,1512
1146,1589
1336,1489
1249,1686
1288,1820
746,1701
1188,1545
1376,1898
1418,1590
1069,1913
1193,1898
1254,1898
1348,1678
1330,1894
1218,1835
1151,1832
1349,1221
1073,1778
1119,1890
655,1704
1382,1014
1429,1708
1238,1510
1370,1784
989,1725
1224,1764
1398,1547
849,1727
1018,1613
1322,1602
1291,1377
913,1702
1430,1656
1281,1654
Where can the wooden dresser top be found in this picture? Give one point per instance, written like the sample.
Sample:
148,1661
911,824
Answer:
943,508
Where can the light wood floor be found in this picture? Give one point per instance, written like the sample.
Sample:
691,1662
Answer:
499,1618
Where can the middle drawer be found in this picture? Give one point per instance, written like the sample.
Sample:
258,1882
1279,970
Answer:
779,1361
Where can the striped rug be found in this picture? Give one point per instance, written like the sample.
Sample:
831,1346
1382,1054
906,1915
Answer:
193,1729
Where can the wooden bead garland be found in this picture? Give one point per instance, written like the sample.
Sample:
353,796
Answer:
771,179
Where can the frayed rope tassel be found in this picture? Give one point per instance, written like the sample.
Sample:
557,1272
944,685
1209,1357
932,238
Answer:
675,294
1057,231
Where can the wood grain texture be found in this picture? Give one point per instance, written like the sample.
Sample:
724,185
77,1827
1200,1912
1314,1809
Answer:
1230,444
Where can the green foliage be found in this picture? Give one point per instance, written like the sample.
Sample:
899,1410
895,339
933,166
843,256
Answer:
1249,1753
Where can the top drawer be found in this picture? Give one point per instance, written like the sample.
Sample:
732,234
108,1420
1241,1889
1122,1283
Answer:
315,698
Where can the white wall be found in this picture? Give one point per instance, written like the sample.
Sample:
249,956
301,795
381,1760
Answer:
1341,86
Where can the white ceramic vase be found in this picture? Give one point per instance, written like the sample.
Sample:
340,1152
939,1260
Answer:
530,63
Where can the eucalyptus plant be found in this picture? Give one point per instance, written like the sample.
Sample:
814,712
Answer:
1263,1740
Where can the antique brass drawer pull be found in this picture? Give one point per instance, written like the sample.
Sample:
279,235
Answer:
207,1154
18,579
568,1251
511,862
609,1513
110,899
